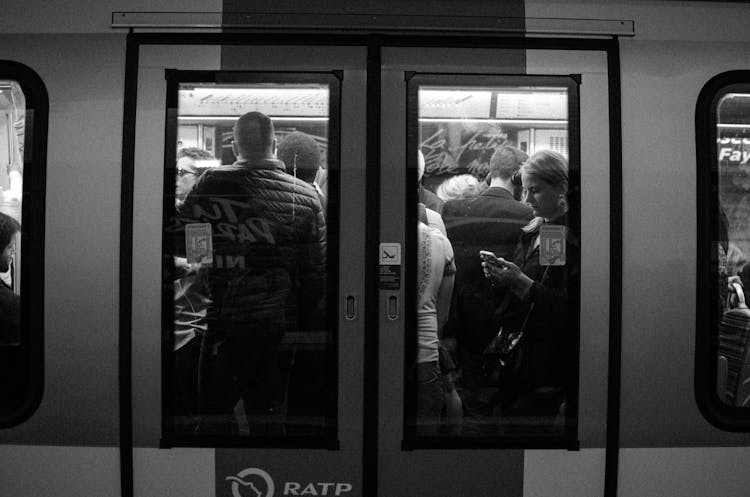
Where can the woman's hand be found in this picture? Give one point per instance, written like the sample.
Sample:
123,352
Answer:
506,275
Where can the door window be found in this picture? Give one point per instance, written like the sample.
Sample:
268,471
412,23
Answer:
23,141
250,233
493,352
723,354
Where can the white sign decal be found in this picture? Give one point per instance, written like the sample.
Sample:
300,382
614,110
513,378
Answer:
390,254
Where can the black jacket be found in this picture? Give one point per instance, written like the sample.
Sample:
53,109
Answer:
551,335
10,316
269,243
490,221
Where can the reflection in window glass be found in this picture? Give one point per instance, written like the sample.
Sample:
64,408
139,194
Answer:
252,347
497,256
732,246
12,126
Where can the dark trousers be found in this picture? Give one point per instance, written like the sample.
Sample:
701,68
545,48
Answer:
478,394
429,398
243,365
186,386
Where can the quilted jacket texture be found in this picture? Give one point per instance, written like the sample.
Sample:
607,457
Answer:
269,244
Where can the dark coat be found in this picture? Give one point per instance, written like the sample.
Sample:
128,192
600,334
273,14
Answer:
490,221
10,316
269,241
550,350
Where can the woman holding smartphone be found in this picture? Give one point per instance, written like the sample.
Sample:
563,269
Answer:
535,309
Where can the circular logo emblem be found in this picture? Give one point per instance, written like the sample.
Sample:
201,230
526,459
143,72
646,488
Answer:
251,482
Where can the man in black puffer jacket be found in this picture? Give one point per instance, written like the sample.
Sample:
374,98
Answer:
268,236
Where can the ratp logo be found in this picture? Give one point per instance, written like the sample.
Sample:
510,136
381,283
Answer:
255,481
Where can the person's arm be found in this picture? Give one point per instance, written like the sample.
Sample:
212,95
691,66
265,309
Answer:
445,293
444,300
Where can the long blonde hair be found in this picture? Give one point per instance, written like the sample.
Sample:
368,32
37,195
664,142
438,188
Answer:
552,168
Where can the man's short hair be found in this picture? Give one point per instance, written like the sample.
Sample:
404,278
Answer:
8,228
194,153
302,150
254,134
506,161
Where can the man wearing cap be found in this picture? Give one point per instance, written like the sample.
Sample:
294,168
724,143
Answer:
490,221
300,154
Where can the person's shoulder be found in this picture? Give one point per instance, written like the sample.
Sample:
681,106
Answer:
220,173
457,207
295,185
526,211
513,206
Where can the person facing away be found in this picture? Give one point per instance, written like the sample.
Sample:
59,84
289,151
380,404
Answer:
268,236
10,302
301,155
490,221
462,186
435,276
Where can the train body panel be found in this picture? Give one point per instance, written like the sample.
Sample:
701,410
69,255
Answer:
81,294
71,443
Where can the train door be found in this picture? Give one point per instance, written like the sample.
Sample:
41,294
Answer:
460,108
274,404
313,419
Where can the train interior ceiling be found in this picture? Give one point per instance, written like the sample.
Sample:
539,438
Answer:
343,248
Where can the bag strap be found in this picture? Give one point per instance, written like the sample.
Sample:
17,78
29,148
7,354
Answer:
531,306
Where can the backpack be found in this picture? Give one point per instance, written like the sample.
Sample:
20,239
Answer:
734,353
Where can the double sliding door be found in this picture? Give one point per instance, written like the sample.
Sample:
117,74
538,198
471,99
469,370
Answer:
310,311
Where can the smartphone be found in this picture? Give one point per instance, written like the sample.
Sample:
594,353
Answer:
488,256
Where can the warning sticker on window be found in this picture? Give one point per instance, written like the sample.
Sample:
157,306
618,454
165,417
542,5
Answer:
552,245
198,243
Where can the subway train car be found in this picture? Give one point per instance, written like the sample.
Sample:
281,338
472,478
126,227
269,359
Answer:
432,248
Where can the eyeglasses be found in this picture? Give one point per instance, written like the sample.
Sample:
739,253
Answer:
182,172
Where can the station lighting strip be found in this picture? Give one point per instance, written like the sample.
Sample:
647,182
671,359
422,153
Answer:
234,118
493,121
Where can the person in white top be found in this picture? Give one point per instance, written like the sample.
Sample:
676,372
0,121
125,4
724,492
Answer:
435,275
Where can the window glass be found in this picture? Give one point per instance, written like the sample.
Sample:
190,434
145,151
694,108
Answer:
250,241
23,153
732,246
12,130
495,351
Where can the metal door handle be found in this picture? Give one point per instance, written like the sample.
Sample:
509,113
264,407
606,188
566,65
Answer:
392,312
350,308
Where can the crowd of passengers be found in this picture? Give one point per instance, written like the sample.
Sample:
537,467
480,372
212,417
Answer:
494,345
496,349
